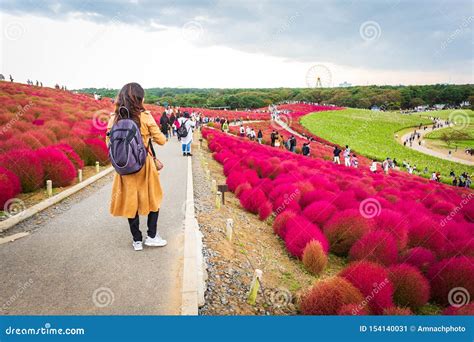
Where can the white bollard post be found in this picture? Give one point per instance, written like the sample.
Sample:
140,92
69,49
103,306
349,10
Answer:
208,174
49,187
213,186
79,175
229,229
254,287
97,167
218,199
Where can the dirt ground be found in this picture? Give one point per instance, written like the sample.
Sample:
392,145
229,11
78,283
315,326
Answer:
231,265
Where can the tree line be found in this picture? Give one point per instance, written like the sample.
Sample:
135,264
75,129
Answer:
388,97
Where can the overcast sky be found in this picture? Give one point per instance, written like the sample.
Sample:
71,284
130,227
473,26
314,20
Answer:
251,43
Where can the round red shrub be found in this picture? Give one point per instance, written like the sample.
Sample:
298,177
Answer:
241,188
426,233
279,225
376,246
397,311
77,144
96,150
71,154
372,281
451,275
35,140
9,186
264,210
314,196
234,179
252,199
420,257
411,288
443,208
394,223
57,167
299,232
27,166
344,229
314,258
328,296
319,212
12,144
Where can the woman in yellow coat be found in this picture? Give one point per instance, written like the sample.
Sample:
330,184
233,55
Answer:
138,193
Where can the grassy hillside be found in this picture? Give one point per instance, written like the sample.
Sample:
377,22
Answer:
372,134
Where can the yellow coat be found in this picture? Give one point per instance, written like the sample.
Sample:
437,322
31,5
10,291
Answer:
139,192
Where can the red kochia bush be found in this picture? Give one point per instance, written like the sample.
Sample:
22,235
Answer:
279,225
71,154
394,223
411,288
264,210
9,186
328,296
252,199
12,144
344,229
314,258
377,246
299,232
27,166
96,150
319,212
444,276
35,140
234,179
57,167
420,257
373,282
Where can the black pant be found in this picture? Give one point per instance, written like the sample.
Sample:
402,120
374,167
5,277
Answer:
151,223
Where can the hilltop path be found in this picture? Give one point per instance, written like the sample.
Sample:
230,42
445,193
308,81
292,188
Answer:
82,261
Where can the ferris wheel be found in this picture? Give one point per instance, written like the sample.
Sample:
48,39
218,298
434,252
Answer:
319,76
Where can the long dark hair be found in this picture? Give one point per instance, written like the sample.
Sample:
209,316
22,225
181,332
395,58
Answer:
129,102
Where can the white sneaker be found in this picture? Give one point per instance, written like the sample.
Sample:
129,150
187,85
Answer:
157,241
137,245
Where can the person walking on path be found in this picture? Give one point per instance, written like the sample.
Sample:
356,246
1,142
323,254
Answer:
225,126
336,152
386,165
186,124
259,136
165,124
306,149
347,156
138,193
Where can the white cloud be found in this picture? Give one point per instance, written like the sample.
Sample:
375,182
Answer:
80,53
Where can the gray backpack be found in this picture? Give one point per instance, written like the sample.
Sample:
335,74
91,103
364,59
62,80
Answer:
126,149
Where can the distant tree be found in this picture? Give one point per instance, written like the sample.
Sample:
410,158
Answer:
416,101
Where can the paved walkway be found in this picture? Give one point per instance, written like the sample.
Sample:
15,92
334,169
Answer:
423,149
82,261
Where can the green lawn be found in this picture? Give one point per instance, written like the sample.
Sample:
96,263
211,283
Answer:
373,135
